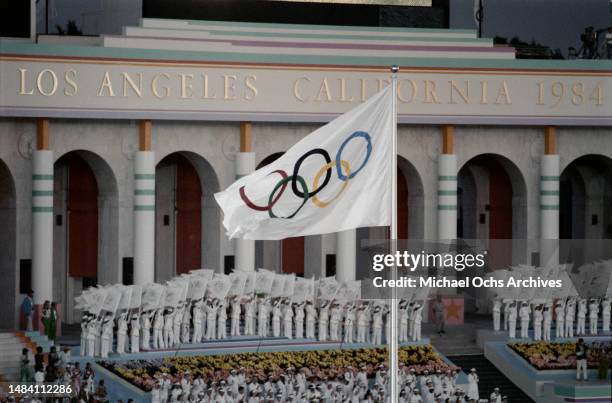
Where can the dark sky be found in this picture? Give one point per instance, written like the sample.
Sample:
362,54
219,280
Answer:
556,23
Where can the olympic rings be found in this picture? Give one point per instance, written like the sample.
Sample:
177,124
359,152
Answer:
317,202
252,205
342,168
296,169
356,134
282,184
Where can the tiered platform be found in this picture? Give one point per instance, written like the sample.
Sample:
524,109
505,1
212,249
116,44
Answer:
121,389
547,386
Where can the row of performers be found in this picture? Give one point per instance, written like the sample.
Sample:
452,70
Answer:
348,385
565,312
206,319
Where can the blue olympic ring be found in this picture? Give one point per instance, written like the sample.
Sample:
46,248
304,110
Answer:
356,134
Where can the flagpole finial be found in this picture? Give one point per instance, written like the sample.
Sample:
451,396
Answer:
394,68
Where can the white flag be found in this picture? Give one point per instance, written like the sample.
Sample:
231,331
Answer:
336,178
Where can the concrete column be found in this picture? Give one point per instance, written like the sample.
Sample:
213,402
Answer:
245,248
144,208
42,225
549,201
447,188
346,253
245,164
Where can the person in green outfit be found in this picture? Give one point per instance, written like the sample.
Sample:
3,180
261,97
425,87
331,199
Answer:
52,327
25,370
46,314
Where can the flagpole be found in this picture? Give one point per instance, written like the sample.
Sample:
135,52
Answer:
393,350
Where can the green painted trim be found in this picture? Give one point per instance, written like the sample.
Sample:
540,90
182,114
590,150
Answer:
241,176
41,209
447,193
447,207
549,178
144,208
549,207
144,176
549,193
42,177
172,55
447,178
144,192
42,192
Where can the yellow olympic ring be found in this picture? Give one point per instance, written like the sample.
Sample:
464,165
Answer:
315,183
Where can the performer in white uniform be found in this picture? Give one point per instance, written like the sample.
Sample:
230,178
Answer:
158,327
538,317
472,392
135,333
211,319
349,323
377,325
512,314
222,321
362,323
249,317
547,314
334,322
559,319
299,320
311,316
288,320
581,322
323,320
145,330
276,318
593,316
418,318
122,328
497,305
605,314
524,315
570,314
198,316
236,310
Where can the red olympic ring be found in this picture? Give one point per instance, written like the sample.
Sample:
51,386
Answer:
252,205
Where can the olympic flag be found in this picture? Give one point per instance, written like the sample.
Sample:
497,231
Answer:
338,177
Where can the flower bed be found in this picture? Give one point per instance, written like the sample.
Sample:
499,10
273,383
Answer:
547,355
319,363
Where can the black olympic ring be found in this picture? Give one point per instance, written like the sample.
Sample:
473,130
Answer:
296,169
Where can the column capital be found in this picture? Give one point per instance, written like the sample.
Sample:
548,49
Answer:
246,139
550,140
144,138
42,134
448,137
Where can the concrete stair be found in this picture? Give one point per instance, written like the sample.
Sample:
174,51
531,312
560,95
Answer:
10,353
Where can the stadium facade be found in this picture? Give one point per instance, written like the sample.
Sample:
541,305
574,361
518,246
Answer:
112,147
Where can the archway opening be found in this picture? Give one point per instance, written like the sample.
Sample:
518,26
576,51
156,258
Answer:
586,199
8,249
492,206
85,251
178,194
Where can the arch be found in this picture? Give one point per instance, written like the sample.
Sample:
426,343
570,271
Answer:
85,250
411,198
492,204
8,223
586,198
187,217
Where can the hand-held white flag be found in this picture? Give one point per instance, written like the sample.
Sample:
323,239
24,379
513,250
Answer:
336,178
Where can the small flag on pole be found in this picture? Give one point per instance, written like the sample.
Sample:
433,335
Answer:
336,178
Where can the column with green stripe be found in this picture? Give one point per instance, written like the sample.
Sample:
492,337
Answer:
42,224
144,217
447,196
